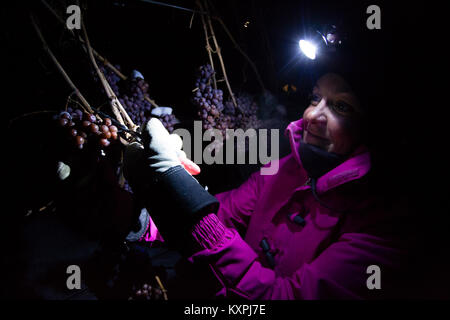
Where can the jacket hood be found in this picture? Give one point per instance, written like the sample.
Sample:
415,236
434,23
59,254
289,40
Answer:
356,166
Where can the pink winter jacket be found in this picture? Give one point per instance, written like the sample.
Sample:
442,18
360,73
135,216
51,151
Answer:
326,254
327,257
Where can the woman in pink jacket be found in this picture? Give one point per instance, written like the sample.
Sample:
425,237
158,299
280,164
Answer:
310,231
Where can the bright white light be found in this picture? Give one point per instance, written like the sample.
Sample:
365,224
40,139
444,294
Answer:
308,49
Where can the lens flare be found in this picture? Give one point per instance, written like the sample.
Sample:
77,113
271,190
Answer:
308,49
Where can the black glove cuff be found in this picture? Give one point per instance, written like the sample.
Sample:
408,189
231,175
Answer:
177,202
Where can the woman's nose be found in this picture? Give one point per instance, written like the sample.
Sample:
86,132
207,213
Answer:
318,114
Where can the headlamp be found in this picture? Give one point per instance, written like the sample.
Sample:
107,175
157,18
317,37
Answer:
324,40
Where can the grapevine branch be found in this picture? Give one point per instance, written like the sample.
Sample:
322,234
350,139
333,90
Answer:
116,71
85,104
202,14
236,45
117,108
222,64
208,47
258,77
192,20
96,54
164,291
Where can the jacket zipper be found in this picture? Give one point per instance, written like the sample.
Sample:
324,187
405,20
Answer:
307,183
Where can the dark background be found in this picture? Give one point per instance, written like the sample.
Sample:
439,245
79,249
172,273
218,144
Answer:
159,42
408,122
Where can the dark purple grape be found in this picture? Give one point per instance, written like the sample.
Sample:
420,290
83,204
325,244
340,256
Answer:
79,114
106,135
94,128
79,140
104,142
63,122
104,128
92,118
65,115
108,122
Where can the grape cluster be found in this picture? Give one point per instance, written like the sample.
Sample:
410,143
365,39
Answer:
169,121
146,292
139,108
135,104
216,114
83,127
138,87
133,95
112,78
209,102
247,117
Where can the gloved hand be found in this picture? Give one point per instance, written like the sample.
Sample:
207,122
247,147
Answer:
162,146
163,152
156,173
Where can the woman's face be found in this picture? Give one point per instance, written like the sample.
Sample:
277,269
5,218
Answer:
332,120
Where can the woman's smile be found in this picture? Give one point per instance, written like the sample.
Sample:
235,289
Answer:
315,139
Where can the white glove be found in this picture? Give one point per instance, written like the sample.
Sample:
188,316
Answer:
163,148
162,151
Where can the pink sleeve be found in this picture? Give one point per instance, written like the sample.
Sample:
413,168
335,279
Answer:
237,205
152,233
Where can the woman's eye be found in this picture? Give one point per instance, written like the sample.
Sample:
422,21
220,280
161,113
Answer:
342,108
315,98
